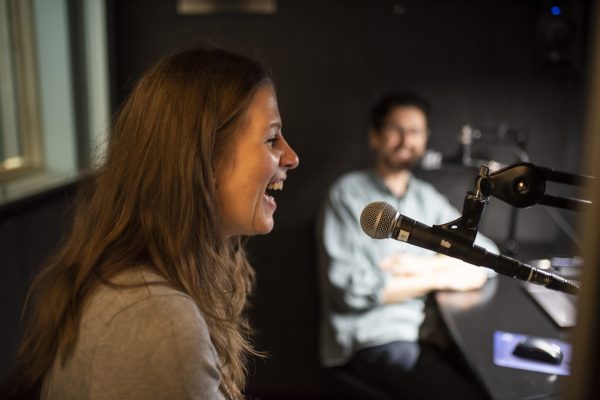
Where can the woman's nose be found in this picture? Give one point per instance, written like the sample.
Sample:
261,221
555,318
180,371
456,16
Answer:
289,158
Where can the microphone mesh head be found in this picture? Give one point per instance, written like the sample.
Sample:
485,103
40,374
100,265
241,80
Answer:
377,219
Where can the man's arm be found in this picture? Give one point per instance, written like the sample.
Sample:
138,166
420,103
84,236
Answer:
414,276
350,279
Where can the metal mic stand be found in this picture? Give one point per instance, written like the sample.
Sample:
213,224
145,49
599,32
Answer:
503,135
520,185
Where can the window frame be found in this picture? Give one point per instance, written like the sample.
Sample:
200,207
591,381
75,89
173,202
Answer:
17,18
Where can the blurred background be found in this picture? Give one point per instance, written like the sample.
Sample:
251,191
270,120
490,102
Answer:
513,71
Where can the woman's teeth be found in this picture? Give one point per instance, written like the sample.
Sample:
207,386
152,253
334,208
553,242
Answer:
275,186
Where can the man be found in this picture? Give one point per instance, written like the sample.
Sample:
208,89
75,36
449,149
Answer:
373,291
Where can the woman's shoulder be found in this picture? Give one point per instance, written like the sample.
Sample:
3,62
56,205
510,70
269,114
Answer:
158,331
140,335
161,330
141,293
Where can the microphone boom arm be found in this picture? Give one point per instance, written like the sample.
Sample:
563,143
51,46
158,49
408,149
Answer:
524,184
520,185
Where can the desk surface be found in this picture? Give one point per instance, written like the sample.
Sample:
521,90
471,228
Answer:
473,317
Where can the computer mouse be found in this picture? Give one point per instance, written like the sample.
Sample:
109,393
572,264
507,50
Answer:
538,349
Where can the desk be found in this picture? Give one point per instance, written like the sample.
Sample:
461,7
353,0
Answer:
473,317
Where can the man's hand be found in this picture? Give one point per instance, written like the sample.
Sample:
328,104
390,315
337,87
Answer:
408,264
460,277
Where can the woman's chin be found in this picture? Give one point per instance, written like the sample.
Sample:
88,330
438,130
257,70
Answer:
265,227
265,222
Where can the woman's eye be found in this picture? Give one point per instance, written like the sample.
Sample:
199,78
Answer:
273,140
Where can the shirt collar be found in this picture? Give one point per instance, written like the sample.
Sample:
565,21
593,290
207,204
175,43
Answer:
378,182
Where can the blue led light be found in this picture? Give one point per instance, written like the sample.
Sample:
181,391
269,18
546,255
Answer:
555,10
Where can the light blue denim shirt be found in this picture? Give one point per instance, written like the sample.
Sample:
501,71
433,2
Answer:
352,313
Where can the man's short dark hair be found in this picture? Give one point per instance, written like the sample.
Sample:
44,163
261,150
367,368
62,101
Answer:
387,103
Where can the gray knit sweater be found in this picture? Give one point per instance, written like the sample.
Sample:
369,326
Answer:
145,342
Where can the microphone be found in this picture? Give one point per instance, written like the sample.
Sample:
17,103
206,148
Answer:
433,160
380,220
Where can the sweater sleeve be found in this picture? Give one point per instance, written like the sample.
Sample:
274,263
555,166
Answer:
157,348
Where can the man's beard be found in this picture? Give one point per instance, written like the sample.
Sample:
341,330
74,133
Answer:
402,165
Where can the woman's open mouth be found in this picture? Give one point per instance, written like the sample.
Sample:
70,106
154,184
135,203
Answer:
271,188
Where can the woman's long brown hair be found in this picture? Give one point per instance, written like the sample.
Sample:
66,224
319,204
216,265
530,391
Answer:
154,203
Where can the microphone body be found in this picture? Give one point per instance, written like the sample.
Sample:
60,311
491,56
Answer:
380,220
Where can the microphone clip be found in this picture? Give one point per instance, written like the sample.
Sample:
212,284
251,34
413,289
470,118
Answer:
466,226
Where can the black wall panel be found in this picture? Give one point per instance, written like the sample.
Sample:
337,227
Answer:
477,61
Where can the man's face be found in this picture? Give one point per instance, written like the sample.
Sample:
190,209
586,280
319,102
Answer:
402,140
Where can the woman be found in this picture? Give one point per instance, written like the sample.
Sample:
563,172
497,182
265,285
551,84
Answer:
145,297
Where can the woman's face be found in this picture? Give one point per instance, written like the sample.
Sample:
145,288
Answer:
257,165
